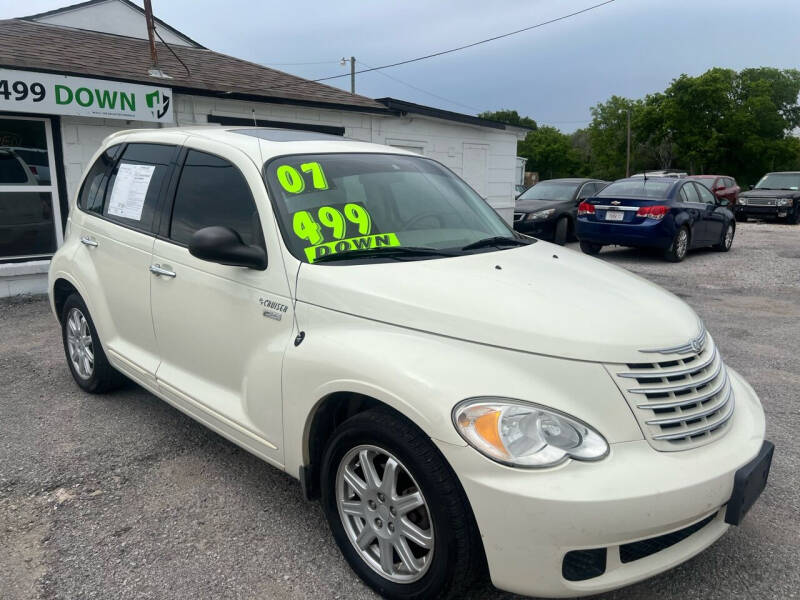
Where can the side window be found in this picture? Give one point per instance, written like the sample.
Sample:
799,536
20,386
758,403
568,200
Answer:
587,191
93,190
705,195
720,183
211,191
689,192
730,182
135,184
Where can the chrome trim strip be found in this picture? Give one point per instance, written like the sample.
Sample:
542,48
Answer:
690,416
699,339
655,373
606,207
690,432
686,401
681,386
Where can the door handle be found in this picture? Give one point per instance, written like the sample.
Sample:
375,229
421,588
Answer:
159,270
89,242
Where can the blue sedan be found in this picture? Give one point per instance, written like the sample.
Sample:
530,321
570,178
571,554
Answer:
671,214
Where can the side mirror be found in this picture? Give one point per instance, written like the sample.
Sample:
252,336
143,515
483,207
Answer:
723,202
224,246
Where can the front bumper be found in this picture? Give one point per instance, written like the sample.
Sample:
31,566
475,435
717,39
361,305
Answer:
529,520
541,229
763,211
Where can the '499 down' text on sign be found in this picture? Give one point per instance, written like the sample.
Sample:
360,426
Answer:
46,93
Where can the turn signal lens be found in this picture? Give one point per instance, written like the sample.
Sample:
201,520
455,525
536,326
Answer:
653,212
584,208
521,434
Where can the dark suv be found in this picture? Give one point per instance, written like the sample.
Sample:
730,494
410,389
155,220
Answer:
776,195
548,209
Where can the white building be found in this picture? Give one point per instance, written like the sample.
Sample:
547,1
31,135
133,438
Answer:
70,77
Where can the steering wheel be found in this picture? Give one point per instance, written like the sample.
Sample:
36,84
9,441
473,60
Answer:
416,218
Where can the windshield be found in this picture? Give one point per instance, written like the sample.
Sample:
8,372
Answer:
550,190
647,188
336,203
779,181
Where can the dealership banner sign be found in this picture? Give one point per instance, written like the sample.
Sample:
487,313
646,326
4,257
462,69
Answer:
46,93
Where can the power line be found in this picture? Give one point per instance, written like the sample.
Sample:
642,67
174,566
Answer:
419,89
473,44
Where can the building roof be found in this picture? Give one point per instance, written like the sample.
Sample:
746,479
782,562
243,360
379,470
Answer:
128,3
403,106
28,45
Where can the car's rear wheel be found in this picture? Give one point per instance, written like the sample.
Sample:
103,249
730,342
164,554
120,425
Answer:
679,247
85,356
590,248
561,230
793,218
397,511
727,238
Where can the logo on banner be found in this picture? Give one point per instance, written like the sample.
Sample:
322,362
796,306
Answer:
158,103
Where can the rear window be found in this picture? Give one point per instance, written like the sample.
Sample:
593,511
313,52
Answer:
647,188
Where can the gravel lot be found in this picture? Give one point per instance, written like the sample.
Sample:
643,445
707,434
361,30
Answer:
121,496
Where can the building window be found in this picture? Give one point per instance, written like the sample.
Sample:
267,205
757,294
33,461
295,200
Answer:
30,221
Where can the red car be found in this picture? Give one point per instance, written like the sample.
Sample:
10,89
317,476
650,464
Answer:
722,186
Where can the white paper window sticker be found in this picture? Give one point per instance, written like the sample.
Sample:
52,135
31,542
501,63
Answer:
130,190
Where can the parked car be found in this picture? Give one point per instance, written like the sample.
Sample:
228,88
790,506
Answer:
776,195
357,316
722,186
548,209
662,212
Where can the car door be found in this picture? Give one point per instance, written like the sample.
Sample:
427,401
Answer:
691,203
713,216
119,205
222,330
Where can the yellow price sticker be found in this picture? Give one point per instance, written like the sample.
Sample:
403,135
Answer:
293,182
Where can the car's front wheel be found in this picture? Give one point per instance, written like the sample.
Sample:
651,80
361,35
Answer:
727,238
397,510
85,356
561,231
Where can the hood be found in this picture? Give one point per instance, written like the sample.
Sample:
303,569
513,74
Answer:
525,299
770,194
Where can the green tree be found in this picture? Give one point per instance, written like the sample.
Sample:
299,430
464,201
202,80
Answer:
511,117
550,152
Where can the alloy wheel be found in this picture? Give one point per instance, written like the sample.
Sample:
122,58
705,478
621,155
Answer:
681,243
728,237
384,513
79,344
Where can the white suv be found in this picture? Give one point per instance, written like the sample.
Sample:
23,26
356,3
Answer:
459,397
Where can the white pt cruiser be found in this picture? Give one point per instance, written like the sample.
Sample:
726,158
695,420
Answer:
460,398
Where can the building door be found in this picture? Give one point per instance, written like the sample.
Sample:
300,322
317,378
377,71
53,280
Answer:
476,167
30,218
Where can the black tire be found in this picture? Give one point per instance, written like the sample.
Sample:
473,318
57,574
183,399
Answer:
590,248
560,231
102,377
679,247
793,218
726,242
457,550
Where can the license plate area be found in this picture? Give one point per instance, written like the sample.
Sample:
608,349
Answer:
614,215
748,484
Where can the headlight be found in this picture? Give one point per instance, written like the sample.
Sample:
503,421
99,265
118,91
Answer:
521,434
743,201
782,202
542,214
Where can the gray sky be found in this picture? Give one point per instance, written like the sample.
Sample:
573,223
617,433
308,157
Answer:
553,74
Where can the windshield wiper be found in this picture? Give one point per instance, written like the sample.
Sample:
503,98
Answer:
498,240
384,252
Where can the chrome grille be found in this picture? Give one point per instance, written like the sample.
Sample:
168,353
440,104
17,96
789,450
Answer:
761,201
682,402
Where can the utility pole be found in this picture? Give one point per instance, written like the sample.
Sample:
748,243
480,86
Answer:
154,70
352,62
628,157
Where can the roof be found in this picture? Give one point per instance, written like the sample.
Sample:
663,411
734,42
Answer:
410,107
28,45
128,3
260,144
